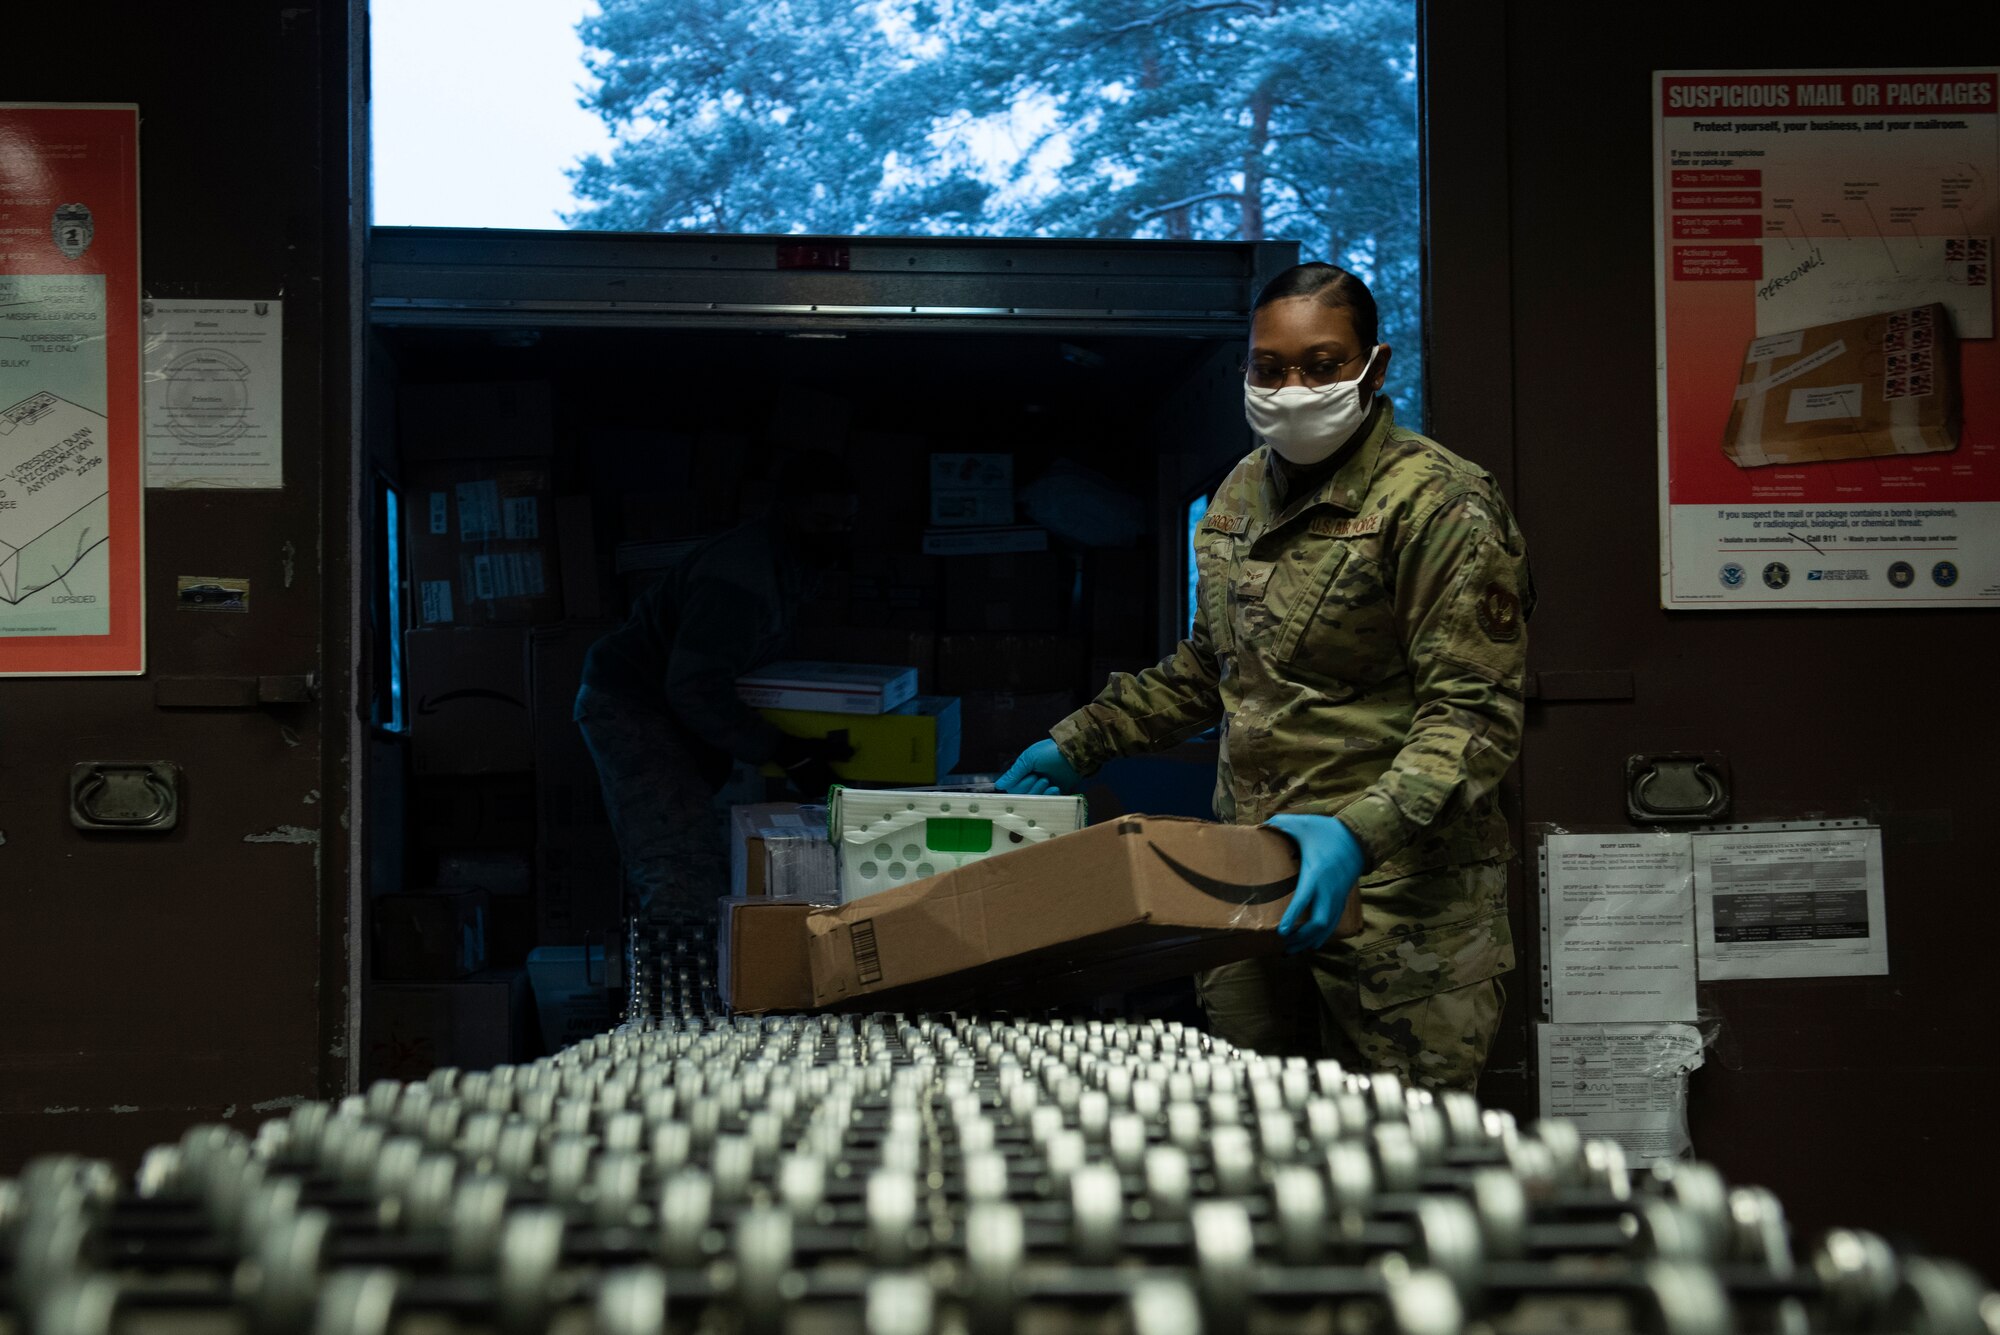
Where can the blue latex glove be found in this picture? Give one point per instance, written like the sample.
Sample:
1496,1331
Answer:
1039,771
1330,862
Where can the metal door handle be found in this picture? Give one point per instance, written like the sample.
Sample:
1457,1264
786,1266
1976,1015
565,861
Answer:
128,796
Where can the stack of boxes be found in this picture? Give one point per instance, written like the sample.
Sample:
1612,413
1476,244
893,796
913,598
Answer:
1020,634
1007,602
991,633
512,851
788,860
779,850
896,735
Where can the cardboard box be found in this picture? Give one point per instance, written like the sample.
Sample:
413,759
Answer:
748,819
484,420
984,541
972,490
469,701
428,935
482,544
829,688
1111,907
863,644
409,1030
792,864
1022,591
999,725
1001,661
917,743
1867,388
896,591
763,962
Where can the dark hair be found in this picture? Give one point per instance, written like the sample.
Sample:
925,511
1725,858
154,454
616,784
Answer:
1329,285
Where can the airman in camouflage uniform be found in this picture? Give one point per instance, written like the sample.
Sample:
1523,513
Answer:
1363,647
660,713
658,705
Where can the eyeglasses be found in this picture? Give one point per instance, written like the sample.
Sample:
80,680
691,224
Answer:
1319,372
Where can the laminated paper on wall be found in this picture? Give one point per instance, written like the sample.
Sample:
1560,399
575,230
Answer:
1856,389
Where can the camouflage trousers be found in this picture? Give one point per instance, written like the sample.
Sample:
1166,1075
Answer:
1423,1003
662,810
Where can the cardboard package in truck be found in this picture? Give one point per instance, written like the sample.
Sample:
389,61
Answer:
762,947
916,742
829,688
1137,900
482,543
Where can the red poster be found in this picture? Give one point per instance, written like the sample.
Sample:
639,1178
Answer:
72,543
1829,380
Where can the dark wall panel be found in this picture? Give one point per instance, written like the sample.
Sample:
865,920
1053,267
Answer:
150,982
1858,1101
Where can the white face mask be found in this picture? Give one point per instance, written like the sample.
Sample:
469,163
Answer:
1306,425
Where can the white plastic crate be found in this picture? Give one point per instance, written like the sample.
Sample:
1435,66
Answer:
890,838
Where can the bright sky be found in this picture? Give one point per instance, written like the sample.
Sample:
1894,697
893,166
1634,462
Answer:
476,114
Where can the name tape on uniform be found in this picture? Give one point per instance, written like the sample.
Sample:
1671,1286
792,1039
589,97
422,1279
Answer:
1358,527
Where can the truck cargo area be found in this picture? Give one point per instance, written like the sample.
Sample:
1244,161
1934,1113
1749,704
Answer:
615,399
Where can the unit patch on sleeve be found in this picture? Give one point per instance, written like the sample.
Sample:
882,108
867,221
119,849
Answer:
1499,612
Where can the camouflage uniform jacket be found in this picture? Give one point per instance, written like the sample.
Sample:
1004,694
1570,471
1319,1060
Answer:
724,609
1363,647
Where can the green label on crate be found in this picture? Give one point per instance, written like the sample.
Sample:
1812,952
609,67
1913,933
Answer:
953,834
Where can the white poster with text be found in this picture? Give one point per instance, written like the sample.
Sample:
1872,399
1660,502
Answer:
1621,928
215,397
1622,1082
1790,904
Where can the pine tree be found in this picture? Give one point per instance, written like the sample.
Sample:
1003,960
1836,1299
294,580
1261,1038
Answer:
1170,119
